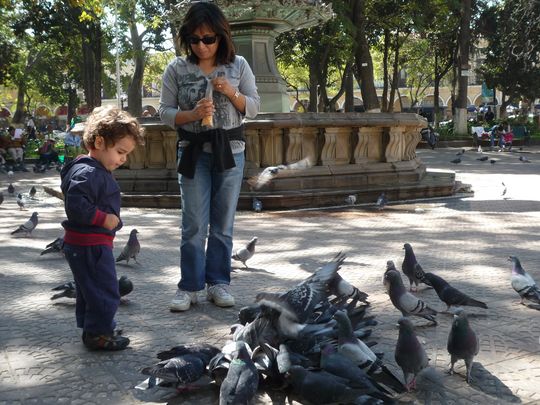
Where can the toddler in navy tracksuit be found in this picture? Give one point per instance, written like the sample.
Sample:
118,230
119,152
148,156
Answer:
92,204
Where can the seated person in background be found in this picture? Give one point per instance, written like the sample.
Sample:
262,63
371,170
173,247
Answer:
16,146
47,153
507,140
72,143
496,132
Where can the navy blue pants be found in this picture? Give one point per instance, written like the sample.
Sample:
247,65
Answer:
94,271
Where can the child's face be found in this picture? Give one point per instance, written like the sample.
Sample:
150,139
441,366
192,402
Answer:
114,156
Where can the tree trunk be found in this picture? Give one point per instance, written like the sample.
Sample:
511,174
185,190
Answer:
91,50
362,57
386,47
349,90
136,83
18,117
460,120
72,104
395,75
313,88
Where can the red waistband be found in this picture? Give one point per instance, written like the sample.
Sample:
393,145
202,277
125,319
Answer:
88,239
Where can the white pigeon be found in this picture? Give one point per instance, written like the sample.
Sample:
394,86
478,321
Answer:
245,253
523,283
269,173
381,201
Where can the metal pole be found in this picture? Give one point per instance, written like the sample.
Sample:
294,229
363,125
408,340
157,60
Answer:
118,86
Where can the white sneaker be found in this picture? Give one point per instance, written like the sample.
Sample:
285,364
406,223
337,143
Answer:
219,294
183,300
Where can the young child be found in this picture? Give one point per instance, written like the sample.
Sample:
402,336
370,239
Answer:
92,205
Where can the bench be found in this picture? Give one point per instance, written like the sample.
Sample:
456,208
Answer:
521,134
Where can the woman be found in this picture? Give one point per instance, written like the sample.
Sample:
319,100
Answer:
211,81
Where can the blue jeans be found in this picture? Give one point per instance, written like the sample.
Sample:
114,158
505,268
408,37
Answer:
208,207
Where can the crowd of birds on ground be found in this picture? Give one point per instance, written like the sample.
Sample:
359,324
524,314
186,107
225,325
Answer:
484,158
313,341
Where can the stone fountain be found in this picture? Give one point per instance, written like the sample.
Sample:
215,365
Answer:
360,154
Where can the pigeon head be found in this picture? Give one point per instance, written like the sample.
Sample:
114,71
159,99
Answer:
34,214
393,277
405,324
296,375
390,265
407,246
461,322
134,232
516,268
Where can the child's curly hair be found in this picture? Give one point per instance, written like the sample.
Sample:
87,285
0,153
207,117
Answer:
112,124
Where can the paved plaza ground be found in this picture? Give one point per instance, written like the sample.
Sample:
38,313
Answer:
465,239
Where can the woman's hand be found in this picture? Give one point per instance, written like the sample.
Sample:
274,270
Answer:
222,85
203,108
111,222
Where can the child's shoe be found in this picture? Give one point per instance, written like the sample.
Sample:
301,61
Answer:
104,342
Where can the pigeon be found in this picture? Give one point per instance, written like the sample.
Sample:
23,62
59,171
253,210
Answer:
20,201
271,172
492,161
11,189
299,303
479,148
405,302
352,347
256,204
350,199
10,175
245,253
449,295
28,226
504,189
456,161
340,365
381,201
523,283
410,354
462,343
132,248
483,158
321,387
32,192
56,245
408,266
67,290
524,159
125,286
242,381
1,198
202,348
461,152
186,371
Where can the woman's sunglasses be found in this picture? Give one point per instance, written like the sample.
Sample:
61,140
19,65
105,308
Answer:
194,40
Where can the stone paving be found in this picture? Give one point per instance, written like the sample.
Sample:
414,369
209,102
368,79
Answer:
465,239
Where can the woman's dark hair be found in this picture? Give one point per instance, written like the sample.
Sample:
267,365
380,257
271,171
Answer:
203,13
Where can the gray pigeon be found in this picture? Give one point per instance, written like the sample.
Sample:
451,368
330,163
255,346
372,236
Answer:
11,189
245,253
461,152
408,266
352,347
381,201
28,226
67,290
32,192
20,201
269,173
1,198
350,199
523,283
482,159
242,381
125,286
449,295
524,159
504,189
462,343
456,161
404,301
410,354
56,246
205,349
132,248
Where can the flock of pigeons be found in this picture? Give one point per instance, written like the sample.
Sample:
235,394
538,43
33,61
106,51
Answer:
313,340
484,158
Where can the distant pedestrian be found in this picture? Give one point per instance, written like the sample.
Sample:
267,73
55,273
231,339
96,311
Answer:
489,116
92,205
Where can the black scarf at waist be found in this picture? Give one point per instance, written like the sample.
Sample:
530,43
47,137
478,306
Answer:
221,148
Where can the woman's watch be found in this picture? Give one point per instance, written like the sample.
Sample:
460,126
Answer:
236,95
